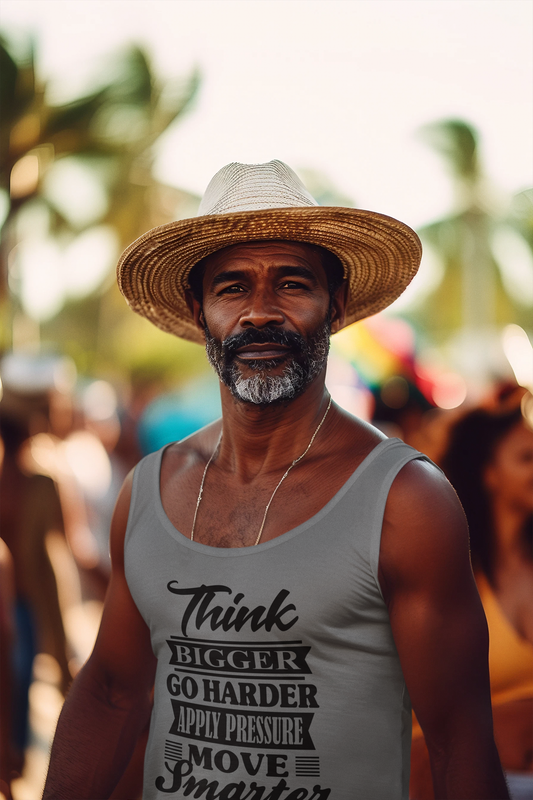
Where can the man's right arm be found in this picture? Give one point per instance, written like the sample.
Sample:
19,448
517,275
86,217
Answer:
110,699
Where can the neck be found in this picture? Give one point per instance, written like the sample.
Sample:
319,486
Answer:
266,438
508,524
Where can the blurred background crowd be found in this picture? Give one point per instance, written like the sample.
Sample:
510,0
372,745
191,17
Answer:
87,388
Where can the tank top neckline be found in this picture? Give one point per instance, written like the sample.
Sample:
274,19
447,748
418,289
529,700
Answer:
225,552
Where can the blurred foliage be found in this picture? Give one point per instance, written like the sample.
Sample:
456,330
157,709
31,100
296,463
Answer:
323,189
478,244
99,148
105,140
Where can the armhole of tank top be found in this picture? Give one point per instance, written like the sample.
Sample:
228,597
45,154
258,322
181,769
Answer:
377,523
145,465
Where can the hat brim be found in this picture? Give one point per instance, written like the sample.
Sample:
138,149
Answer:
379,254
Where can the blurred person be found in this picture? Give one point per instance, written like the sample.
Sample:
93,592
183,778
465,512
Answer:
146,385
288,577
174,415
10,759
400,409
489,461
92,476
29,510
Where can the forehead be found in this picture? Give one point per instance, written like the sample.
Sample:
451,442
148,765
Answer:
261,254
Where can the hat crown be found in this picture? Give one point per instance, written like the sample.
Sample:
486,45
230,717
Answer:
253,187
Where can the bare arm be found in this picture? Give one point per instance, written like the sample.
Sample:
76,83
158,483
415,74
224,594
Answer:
440,631
44,517
7,593
109,702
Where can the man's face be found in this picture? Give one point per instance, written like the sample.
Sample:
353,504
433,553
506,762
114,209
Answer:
267,316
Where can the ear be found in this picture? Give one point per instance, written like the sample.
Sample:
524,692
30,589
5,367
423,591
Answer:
338,307
196,309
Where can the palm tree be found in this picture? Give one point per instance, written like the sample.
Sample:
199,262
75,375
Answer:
484,247
98,149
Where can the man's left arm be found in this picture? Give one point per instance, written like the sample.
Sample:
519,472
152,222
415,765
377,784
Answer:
440,632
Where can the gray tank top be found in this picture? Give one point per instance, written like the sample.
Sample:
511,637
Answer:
277,674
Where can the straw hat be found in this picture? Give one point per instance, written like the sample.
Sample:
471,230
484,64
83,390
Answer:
256,202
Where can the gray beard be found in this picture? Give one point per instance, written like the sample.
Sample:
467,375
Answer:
263,388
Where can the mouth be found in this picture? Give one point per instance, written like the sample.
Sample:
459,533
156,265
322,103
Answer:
267,351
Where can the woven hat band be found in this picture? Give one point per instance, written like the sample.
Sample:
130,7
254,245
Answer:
253,187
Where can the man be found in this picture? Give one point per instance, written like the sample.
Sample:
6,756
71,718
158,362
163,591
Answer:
289,578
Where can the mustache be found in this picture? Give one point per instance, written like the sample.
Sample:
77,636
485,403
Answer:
290,339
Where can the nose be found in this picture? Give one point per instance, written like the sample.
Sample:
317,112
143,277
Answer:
261,311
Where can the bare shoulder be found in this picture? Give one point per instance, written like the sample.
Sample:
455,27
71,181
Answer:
425,534
353,437
180,456
418,490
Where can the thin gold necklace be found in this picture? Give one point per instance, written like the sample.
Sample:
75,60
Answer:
296,460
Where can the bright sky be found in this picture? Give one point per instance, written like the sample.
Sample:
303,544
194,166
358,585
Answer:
339,86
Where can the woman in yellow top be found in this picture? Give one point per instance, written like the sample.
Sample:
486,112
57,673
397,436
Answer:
489,461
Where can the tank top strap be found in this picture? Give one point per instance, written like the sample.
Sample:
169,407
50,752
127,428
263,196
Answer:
144,489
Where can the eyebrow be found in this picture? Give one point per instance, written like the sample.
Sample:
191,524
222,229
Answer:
227,276
300,272
283,272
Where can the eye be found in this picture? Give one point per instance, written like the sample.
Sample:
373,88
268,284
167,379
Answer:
234,288
293,284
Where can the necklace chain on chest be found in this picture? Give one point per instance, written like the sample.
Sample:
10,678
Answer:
296,460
